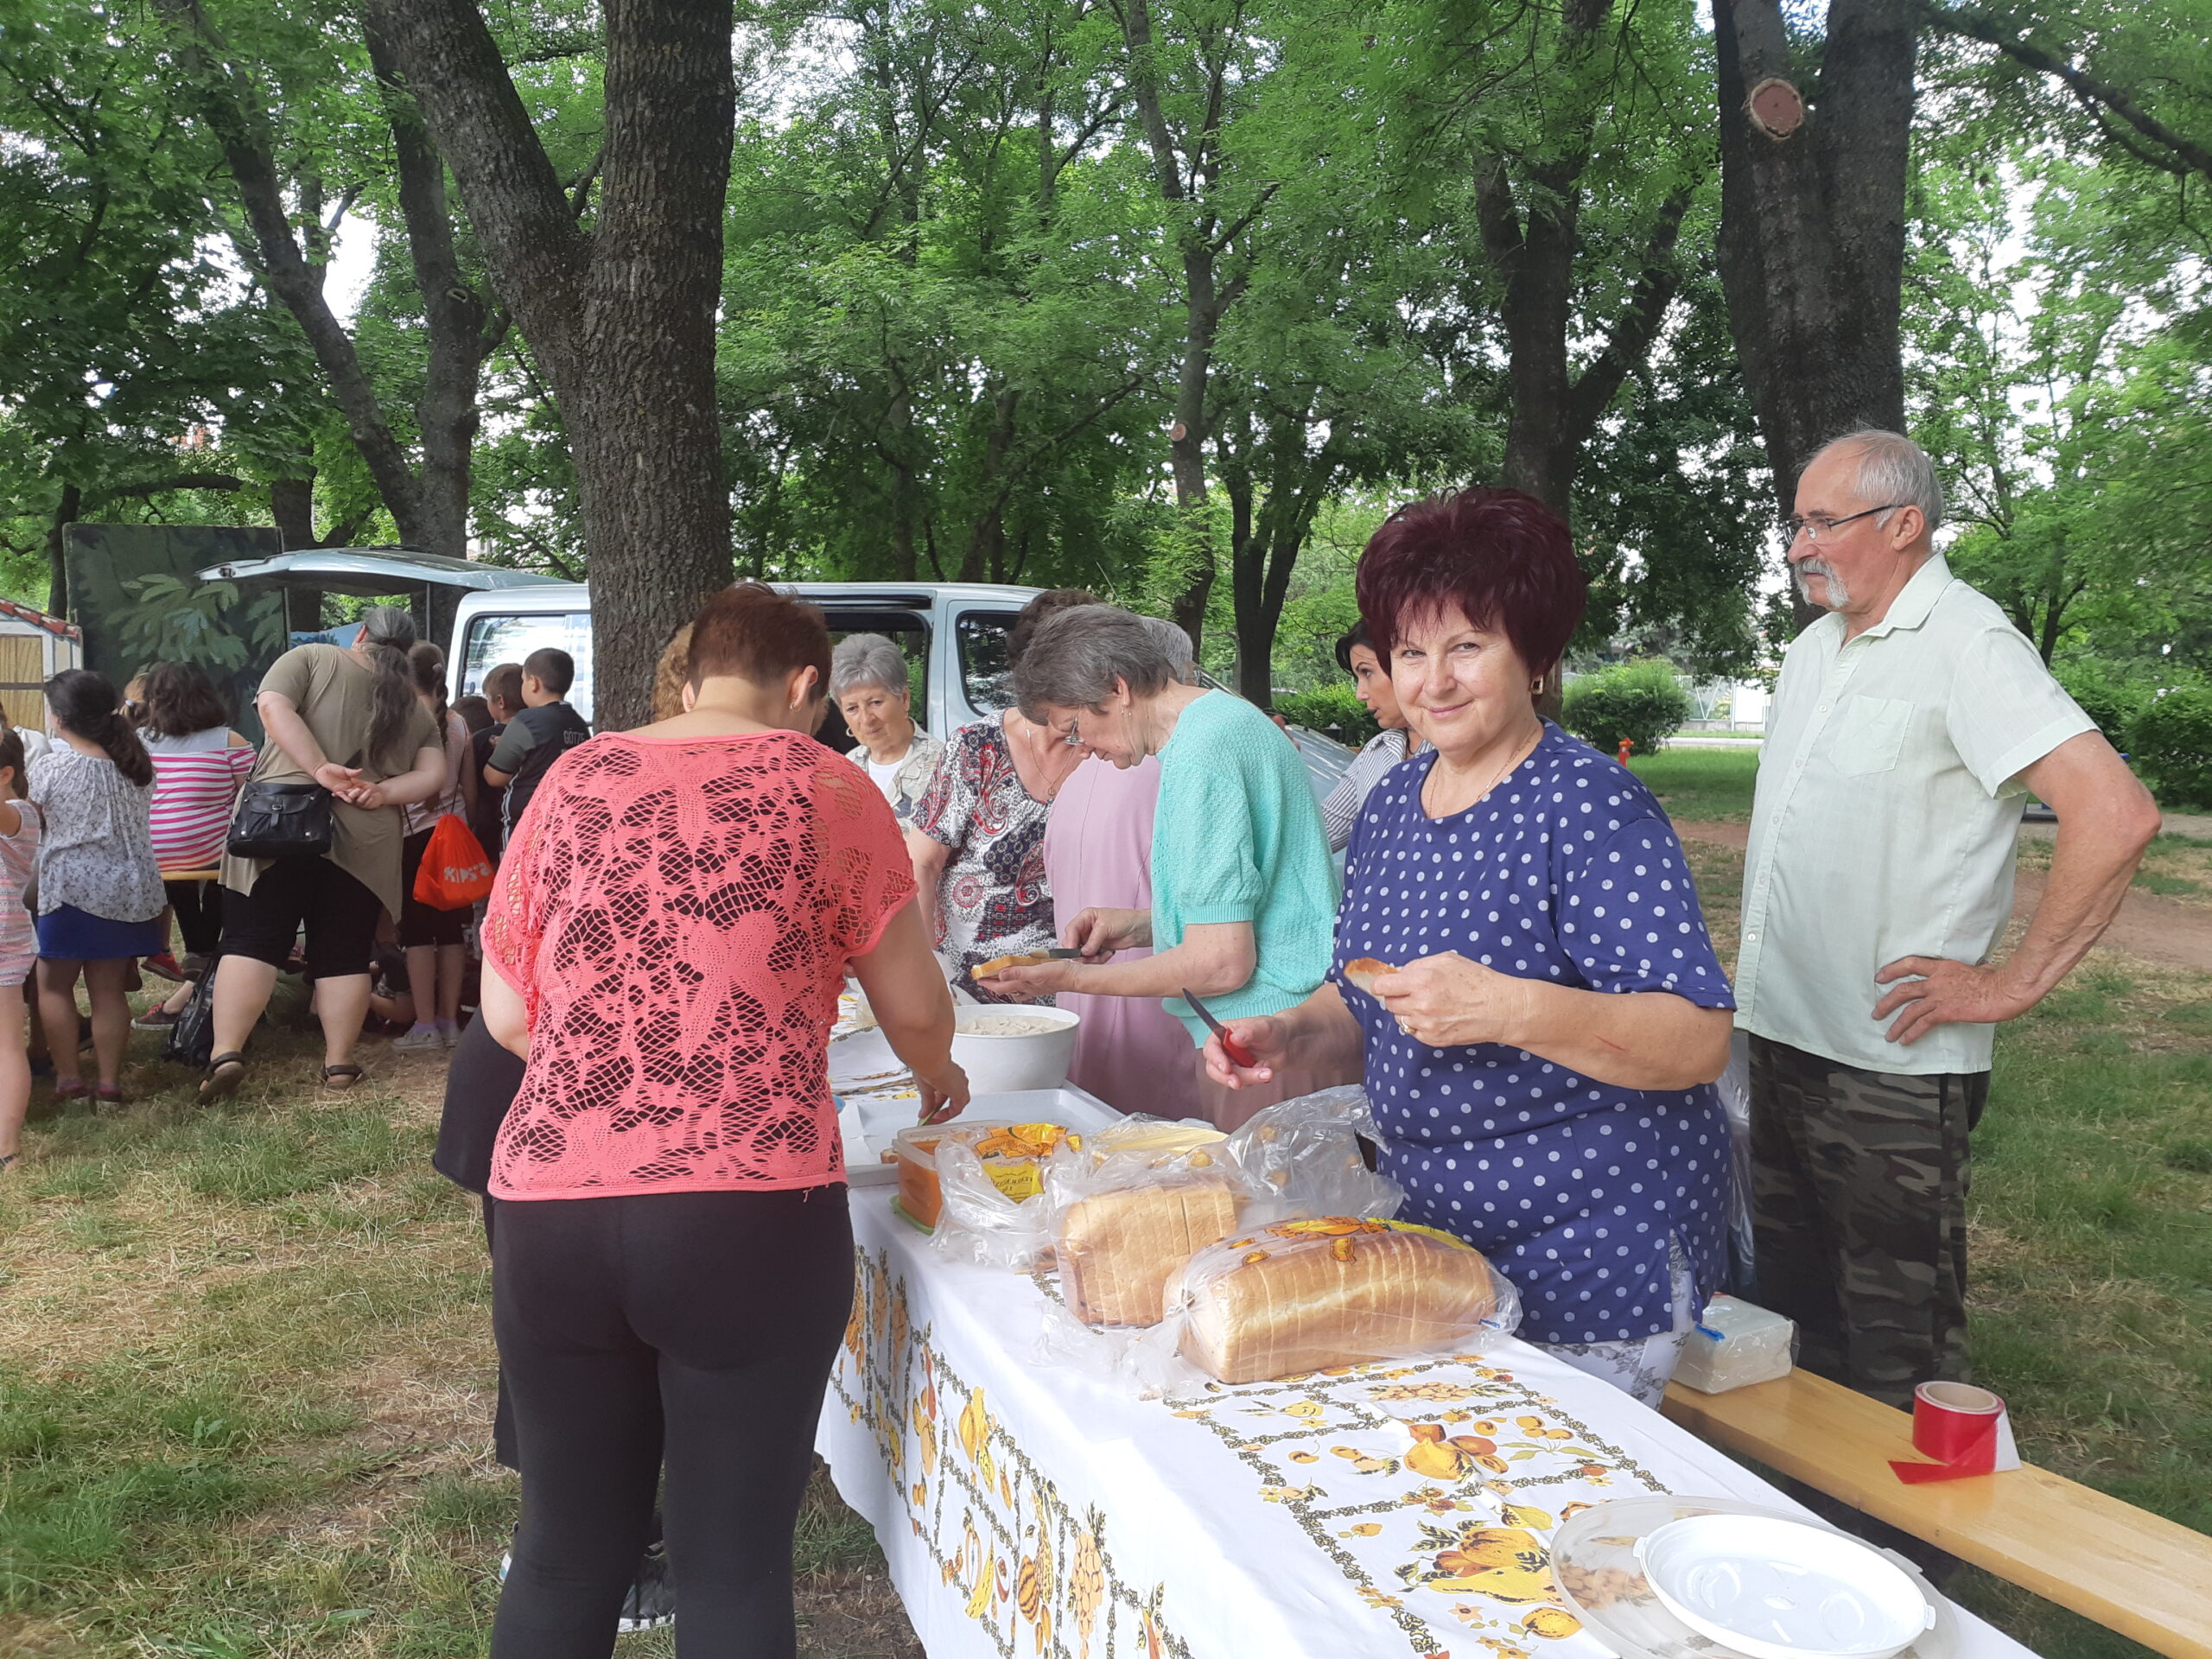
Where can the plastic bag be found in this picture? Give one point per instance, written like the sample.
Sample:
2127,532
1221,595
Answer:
1129,1206
455,870
1302,1295
1301,1157
990,1181
1735,1087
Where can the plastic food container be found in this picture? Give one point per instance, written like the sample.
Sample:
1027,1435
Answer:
920,1194
1783,1590
998,1063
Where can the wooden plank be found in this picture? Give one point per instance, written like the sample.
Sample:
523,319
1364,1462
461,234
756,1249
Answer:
2132,1571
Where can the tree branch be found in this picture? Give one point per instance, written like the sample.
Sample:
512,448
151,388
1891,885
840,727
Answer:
162,486
1977,26
1638,327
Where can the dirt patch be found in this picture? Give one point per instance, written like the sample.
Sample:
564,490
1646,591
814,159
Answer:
2161,930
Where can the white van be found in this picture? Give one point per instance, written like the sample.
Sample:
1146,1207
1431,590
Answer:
954,634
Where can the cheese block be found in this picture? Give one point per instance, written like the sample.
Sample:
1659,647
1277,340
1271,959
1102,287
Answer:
1118,1250
1305,1294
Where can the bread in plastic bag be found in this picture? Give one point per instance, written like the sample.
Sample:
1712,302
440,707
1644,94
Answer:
1301,1157
1129,1206
991,1178
1300,1296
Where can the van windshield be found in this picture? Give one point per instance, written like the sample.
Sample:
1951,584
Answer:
493,639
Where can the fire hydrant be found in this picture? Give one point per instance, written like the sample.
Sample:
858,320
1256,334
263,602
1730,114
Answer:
1627,743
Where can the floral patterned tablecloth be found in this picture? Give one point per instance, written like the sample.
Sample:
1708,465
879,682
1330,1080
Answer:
1030,1511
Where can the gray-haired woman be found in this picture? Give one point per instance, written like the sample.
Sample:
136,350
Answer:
1244,891
869,683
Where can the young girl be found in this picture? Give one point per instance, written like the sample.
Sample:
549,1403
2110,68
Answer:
19,827
99,887
435,940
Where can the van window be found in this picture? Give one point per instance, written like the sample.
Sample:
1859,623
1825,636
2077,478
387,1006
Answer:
493,639
985,674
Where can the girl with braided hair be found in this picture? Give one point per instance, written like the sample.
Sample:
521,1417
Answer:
99,887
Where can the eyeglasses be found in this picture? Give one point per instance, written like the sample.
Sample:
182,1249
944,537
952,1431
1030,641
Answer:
1818,525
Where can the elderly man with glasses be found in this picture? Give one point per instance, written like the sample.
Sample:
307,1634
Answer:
1908,725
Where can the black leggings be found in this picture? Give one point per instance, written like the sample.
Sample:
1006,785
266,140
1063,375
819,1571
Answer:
198,906
704,1322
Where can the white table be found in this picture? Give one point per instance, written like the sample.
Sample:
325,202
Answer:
1027,1511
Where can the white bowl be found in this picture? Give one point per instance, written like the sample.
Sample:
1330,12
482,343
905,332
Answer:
1783,1590
996,1064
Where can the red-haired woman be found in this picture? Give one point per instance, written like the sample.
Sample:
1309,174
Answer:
1541,1055
673,1261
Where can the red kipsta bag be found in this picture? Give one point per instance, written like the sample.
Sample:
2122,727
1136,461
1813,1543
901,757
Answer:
456,871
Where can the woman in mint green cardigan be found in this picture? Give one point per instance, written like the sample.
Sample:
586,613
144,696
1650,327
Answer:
1244,890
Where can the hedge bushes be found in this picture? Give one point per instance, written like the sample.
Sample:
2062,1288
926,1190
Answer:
2170,744
1333,711
1641,702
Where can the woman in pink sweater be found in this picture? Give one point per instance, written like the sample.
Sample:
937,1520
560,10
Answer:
673,1264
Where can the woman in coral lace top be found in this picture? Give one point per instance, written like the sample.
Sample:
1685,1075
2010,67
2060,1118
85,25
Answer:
674,919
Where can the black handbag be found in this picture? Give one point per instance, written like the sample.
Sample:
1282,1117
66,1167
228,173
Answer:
282,821
191,1041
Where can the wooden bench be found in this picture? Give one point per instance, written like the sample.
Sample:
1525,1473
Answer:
2131,1571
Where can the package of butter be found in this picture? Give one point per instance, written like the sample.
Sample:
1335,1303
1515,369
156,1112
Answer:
1735,1345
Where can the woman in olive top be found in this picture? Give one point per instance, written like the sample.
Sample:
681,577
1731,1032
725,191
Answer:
1244,891
346,717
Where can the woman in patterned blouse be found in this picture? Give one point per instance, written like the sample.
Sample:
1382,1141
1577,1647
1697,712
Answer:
673,1261
978,833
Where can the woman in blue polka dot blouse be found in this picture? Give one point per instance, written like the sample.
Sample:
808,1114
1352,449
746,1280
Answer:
1540,1059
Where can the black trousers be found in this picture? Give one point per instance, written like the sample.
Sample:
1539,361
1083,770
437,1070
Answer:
198,906
703,1323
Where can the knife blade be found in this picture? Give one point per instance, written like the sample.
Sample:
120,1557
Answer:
1238,1055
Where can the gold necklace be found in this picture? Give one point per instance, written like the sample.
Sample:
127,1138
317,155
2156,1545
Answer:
1504,771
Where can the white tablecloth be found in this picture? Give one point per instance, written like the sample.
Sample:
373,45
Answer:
1028,1510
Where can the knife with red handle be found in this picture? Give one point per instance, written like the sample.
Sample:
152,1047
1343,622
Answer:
1238,1055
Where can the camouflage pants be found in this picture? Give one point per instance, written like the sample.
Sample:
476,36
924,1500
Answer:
1858,1193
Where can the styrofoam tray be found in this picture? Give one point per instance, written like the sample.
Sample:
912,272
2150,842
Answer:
870,1124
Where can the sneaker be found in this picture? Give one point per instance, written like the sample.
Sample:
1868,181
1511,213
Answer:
652,1601
155,1018
166,966
417,1039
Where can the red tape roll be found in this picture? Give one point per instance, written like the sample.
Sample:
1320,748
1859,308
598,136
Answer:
1963,1427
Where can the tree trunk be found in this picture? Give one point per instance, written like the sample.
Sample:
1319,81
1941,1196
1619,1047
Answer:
1812,226
455,314
228,109
57,559
291,504
623,320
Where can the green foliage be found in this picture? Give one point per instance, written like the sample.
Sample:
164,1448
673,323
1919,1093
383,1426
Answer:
1641,702
1335,710
2169,742
2107,695
202,622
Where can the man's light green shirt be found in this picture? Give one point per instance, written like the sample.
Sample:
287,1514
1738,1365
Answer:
1886,815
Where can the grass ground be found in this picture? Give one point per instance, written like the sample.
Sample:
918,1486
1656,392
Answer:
245,1365
244,1388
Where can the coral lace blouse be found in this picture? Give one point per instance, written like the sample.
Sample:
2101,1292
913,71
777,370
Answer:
677,915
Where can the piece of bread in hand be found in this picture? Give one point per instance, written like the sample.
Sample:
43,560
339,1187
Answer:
999,964
1362,972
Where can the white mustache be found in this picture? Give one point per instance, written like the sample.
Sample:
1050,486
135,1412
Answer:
1837,594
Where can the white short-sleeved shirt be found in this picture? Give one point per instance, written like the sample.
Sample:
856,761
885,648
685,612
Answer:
1886,819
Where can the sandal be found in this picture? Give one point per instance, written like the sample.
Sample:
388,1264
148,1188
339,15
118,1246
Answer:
70,1089
341,1076
6,1158
225,1073
104,1095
